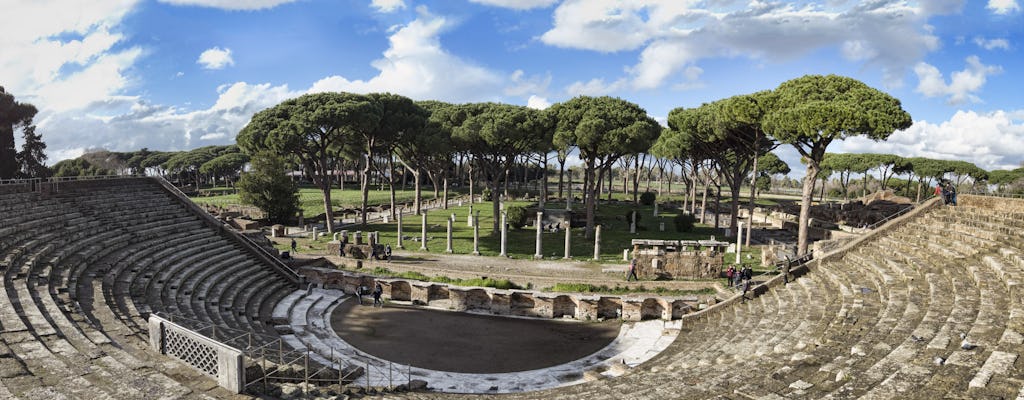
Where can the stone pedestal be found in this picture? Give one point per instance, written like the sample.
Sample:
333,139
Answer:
277,231
314,236
469,217
661,227
358,238
539,253
625,255
655,208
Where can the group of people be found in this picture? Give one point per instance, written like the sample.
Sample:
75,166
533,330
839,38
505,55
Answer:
948,192
377,292
739,278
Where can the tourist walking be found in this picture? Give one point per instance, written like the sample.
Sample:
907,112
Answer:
294,245
377,292
950,193
940,192
631,273
785,271
729,274
748,273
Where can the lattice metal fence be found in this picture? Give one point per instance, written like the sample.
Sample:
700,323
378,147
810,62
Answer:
203,353
182,346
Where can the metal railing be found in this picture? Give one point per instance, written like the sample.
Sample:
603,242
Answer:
278,365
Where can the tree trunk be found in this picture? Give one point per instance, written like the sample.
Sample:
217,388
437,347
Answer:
543,180
805,207
365,187
561,175
444,199
590,196
391,182
418,197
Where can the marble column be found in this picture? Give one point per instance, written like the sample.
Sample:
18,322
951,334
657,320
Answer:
597,242
739,241
476,234
540,230
568,237
449,236
423,231
632,222
398,243
504,234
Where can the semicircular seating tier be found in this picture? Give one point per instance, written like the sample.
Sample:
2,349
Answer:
928,306
85,262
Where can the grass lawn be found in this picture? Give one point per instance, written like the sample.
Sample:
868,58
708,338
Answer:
311,200
615,236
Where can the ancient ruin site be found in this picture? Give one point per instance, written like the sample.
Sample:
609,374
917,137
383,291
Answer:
122,288
511,199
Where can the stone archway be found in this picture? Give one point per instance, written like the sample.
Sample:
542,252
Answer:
563,305
652,308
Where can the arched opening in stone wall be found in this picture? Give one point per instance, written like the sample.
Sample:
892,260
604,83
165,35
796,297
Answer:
401,291
563,305
652,309
609,307
522,303
478,299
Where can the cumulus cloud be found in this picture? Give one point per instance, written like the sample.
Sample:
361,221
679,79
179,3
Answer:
522,84
1003,7
142,124
538,102
215,58
992,44
595,87
517,4
674,35
230,4
962,85
993,140
386,6
415,65
61,56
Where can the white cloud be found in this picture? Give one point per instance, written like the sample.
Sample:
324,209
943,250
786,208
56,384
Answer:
522,84
62,56
517,4
415,65
992,44
595,87
139,124
992,140
538,102
230,4
1003,6
386,6
676,34
216,58
963,84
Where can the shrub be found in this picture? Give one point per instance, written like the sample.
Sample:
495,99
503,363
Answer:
516,216
486,194
684,222
647,198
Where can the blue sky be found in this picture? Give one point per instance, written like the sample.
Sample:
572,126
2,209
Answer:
178,74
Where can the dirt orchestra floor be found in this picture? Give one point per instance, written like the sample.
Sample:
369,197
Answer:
468,343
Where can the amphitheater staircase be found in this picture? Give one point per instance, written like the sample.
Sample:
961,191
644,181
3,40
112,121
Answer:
83,266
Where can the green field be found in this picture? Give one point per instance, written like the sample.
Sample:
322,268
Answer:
311,200
615,236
